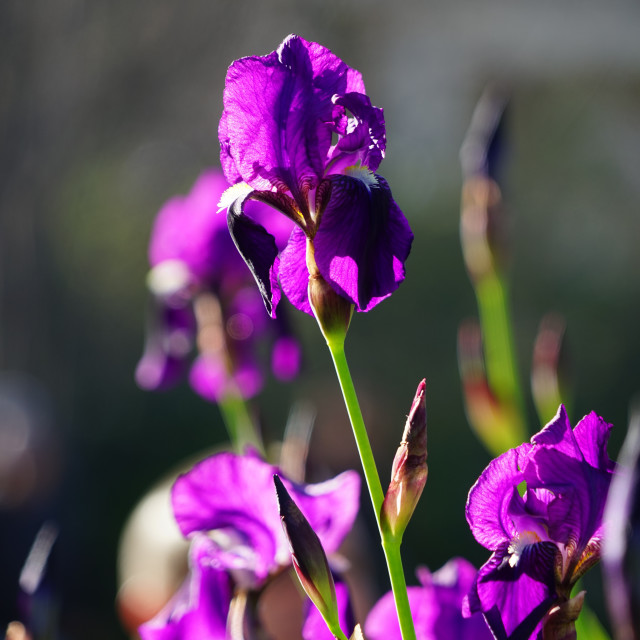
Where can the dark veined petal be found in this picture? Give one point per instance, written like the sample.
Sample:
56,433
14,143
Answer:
491,496
363,240
232,497
275,130
515,599
201,606
259,250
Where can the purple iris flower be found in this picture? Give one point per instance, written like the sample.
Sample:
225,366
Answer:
436,607
203,295
544,540
199,610
227,506
299,133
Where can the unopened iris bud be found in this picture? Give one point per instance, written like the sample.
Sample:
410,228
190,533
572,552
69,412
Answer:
548,366
309,559
409,471
482,223
332,311
560,622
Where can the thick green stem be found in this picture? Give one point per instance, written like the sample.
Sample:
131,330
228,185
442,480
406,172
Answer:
240,426
390,545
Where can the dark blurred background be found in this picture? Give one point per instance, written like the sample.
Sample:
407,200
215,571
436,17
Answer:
109,108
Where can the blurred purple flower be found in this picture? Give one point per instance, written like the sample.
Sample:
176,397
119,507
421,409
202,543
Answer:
546,539
298,132
199,610
227,506
232,498
203,293
436,607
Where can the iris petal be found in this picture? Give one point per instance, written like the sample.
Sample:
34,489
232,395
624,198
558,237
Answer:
277,110
233,497
293,272
490,498
259,250
199,609
362,241
515,599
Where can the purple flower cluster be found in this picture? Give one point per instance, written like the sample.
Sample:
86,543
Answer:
299,133
227,506
203,293
300,144
544,540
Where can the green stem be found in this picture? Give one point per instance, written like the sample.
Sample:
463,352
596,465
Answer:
390,546
337,632
240,426
500,358
358,426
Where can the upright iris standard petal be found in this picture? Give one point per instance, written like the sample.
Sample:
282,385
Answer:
363,140
488,503
545,539
299,133
232,498
276,110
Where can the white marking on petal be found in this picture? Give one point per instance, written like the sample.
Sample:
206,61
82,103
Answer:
519,544
230,195
363,174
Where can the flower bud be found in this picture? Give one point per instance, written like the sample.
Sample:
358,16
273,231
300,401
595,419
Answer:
548,366
482,224
560,622
309,559
332,311
409,471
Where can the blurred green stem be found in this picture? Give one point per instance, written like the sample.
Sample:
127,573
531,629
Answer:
500,359
390,545
239,423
